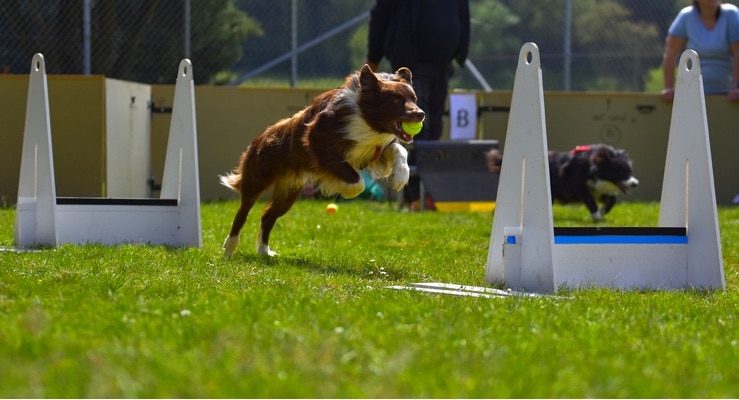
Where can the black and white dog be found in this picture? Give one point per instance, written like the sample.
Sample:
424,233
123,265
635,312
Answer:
590,174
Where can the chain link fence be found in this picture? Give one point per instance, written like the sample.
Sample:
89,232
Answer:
584,44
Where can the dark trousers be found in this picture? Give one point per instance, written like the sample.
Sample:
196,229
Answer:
431,84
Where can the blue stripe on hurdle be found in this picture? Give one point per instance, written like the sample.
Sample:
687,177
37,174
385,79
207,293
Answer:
620,239
616,235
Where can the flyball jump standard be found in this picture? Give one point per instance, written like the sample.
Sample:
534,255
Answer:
43,219
528,253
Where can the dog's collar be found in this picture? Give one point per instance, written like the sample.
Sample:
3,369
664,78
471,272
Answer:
380,149
580,149
378,152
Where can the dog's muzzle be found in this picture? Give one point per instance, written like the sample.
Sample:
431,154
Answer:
628,184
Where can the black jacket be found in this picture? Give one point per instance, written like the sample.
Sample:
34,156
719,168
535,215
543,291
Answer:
412,32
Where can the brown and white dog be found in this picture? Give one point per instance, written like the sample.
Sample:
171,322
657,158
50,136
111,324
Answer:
589,174
354,127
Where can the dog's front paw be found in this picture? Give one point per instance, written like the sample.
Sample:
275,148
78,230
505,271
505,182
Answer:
230,245
400,176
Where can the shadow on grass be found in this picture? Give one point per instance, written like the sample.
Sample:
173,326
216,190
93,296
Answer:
347,267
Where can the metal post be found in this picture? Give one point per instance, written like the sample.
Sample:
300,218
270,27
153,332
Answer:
303,47
294,43
187,28
86,38
567,45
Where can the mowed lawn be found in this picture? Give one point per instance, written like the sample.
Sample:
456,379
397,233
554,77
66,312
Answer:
318,320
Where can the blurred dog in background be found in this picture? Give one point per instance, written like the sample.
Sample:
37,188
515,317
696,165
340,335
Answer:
592,174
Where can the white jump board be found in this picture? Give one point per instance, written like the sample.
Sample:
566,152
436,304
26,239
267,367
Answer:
612,257
462,290
110,221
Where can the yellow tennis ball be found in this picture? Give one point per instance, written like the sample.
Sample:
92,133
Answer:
411,128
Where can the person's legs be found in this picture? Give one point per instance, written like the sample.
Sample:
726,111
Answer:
431,85
432,99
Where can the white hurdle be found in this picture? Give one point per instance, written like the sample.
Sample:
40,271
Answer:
43,219
528,253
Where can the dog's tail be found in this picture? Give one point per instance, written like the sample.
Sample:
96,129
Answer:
494,158
232,181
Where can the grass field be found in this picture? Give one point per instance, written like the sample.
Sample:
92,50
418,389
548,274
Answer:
317,321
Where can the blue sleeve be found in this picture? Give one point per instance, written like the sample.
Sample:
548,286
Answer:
679,25
733,34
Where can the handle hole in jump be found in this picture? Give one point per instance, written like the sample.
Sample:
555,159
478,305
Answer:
529,57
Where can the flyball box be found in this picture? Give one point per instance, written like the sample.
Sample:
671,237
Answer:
455,174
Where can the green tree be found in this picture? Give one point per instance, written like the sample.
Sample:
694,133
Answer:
543,22
224,28
135,40
491,43
623,51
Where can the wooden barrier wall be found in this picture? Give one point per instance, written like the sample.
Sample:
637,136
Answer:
636,122
229,118
77,113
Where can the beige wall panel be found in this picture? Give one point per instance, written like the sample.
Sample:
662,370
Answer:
723,125
228,120
14,89
636,122
76,107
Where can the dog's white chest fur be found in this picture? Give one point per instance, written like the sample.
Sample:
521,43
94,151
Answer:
368,143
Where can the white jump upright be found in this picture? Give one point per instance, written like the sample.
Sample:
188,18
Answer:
523,202
528,253
43,219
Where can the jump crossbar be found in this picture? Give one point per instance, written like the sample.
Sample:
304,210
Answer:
615,235
111,201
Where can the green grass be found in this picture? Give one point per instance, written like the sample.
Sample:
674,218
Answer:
317,321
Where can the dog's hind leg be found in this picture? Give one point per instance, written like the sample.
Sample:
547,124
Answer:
283,198
248,198
232,241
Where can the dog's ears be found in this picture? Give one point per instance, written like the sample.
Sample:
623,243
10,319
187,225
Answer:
602,154
367,78
405,74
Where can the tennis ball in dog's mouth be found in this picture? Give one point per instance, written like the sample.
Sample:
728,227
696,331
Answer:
411,128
